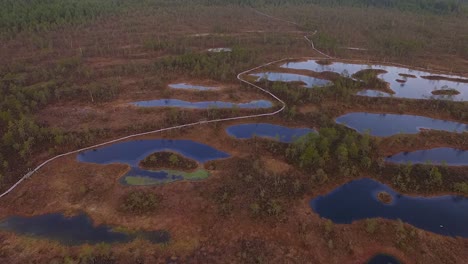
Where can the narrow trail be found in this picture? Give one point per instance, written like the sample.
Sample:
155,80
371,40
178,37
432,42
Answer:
296,24
239,77
313,46
274,18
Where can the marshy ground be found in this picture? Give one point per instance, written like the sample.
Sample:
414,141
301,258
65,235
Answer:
73,85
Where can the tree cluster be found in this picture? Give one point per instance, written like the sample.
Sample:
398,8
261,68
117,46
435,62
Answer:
332,150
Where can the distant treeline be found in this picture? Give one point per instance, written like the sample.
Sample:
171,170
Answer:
432,6
21,15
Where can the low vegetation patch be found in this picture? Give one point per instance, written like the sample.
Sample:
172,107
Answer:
252,187
385,197
372,80
445,92
172,176
140,202
407,75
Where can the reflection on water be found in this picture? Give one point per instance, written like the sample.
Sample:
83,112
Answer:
446,215
281,133
391,124
291,77
132,152
383,259
202,105
448,156
75,230
399,78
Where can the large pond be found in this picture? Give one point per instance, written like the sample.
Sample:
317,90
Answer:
383,259
391,124
132,152
406,83
280,133
446,215
187,86
75,230
291,77
202,105
448,156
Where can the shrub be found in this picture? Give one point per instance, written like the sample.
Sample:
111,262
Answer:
140,202
371,226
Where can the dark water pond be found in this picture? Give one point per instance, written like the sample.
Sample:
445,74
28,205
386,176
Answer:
383,259
202,105
405,87
291,77
132,152
74,230
191,87
445,215
390,124
448,156
281,133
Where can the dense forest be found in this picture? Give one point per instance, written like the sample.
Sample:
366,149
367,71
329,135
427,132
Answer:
20,15
432,6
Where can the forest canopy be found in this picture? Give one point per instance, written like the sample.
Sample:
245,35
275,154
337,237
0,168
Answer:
21,15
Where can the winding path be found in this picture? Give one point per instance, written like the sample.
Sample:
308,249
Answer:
239,77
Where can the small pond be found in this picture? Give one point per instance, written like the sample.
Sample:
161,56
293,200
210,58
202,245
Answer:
385,125
281,133
448,156
383,259
291,77
406,83
132,152
217,50
187,86
202,105
75,230
356,200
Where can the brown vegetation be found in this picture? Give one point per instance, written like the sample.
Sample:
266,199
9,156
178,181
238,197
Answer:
445,92
70,87
385,197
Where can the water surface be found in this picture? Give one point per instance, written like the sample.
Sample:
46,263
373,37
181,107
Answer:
356,200
291,77
416,88
385,125
132,152
187,86
383,259
75,230
448,156
202,105
281,133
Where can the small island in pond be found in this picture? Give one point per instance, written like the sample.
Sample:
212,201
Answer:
445,92
385,197
168,160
